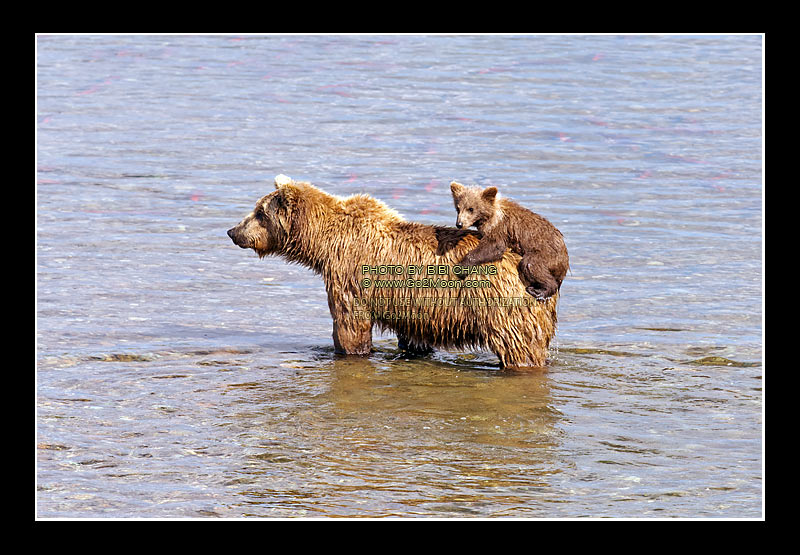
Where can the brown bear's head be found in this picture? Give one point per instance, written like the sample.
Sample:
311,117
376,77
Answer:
474,206
266,228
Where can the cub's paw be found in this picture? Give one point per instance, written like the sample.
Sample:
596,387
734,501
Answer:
538,294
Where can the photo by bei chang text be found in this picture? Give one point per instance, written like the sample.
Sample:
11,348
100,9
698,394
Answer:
425,276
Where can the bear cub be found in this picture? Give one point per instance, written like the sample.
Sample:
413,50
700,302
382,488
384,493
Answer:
505,224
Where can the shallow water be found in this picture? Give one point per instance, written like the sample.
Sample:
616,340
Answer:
179,376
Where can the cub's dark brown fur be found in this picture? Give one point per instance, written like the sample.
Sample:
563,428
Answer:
507,225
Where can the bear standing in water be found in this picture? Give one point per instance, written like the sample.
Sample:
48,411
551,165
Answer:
337,237
507,225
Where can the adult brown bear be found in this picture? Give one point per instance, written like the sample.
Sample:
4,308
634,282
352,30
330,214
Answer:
381,270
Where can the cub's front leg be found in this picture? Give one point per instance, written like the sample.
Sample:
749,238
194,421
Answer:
488,250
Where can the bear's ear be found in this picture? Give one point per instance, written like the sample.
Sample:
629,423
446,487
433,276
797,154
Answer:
282,180
456,188
489,194
285,200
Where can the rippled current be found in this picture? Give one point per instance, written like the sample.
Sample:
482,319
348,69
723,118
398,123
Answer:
180,376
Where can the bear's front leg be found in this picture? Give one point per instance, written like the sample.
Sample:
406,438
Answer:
488,250
411,346
352,336
352,330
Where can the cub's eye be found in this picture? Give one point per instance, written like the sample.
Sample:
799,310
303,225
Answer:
469,210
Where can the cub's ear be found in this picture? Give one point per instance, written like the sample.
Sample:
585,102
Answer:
489,194
282,180
456,188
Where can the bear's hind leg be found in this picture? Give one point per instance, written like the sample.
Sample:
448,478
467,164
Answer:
539,282
517,356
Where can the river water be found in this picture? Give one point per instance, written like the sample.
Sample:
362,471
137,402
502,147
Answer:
180,376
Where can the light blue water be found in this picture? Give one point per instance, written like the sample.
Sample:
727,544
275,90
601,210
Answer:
180,376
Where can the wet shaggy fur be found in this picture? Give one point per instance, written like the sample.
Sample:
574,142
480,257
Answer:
335,236
507,225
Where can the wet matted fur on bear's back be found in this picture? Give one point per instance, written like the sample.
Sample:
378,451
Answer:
336,237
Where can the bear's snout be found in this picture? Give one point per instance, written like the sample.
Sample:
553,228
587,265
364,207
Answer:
458,225
234,234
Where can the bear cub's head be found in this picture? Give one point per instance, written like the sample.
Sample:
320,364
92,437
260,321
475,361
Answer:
474,206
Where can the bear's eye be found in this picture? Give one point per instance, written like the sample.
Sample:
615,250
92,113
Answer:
469,210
